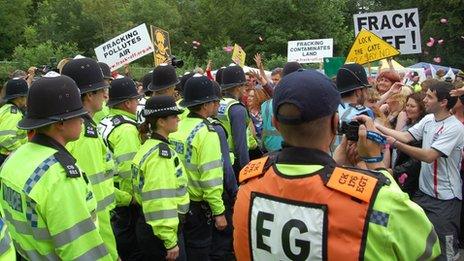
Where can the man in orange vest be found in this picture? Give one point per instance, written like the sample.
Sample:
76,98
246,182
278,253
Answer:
297,204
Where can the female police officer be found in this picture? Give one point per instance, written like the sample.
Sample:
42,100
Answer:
160,183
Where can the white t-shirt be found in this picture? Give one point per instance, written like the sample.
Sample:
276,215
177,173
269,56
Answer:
441,179
140,107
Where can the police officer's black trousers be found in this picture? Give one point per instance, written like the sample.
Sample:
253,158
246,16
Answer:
197,231
222,243
152,247
124,223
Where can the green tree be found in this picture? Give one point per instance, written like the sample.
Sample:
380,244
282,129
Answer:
13,20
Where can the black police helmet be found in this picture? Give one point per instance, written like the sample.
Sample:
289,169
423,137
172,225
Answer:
15,88
232,76
146,80
164,76
160,107
219,75
50,100
86,73
122,90
291,67
198,90
180,86
350,77
106,71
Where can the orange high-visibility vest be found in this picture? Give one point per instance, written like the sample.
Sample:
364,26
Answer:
317,216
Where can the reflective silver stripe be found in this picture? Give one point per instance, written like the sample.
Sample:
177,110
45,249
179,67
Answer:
210,165
160,214
271,133
74,232
5,243
94,253
7,132
25,228
125,174
108,200
100,177
183,208
431,240
34,255
190,166
163,193
125,157
206,184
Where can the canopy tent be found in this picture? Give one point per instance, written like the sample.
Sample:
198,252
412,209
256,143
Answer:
385,66
435,66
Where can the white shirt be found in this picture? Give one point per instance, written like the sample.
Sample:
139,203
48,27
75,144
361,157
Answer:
441,179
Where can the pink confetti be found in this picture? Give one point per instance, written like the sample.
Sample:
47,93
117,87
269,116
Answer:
437,59
441,41
444,21
431,42
195,47
228,48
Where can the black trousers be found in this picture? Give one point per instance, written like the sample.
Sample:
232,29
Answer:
222,242
124,222
197,231
151,246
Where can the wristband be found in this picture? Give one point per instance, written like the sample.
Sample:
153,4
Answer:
376,137
373,159
393,144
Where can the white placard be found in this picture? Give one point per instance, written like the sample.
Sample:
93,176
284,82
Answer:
125,48
309,51
400,28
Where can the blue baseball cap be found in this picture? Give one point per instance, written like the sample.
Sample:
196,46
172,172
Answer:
311,92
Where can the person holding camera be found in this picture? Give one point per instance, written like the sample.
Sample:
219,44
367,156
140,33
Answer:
440,185
342,212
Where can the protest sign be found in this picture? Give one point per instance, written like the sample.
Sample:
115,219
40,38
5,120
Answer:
309,51
331,65
368,47
238,56
162,45
125,48
400,28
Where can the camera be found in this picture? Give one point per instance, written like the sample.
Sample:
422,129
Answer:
350,129
178,63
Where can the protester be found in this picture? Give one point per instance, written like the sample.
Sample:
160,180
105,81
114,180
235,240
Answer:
386,79
300,188
162,195
440,189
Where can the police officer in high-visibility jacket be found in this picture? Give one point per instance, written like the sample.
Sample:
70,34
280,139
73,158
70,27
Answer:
120,134
233,114
48,203
198,146
89,150
146,80
10,114
164,80
7,250
297,204
99,115
160,183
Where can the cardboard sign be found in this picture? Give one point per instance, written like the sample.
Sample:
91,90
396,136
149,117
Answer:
331,65
368,47
125,48
238,56
309,51
162,45
399,28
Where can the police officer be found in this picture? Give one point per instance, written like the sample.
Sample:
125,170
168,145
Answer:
160,183
89,150
48,203
343,213
199,148
7,250
180,90
10,114
233,114
146,80
222,248
164,80
120,134
271,138
99,115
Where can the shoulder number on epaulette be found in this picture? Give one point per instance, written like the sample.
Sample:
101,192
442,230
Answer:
90,130
253,169
355,184
13,110
360,107
69,165
164,151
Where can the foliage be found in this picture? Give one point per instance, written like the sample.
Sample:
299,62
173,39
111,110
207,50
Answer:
45,53
13,20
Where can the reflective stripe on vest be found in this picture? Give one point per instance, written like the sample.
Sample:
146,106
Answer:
275,219
35,255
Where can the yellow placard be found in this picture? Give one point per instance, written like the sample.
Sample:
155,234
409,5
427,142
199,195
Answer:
160,39
368,47
238,56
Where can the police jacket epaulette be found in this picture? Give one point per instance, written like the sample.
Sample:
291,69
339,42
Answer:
257,168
